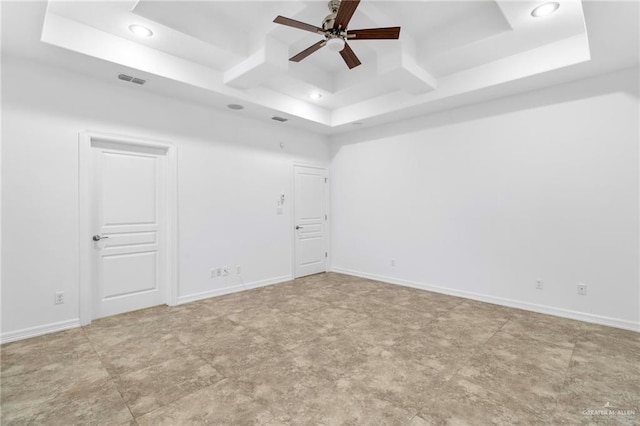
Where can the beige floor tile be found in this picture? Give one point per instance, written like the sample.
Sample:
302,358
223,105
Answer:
616,347
98,405
287,331
196,334
419,421
301,306
33,390
332,318
464,403
145,351
125,329
196,312
334,355
334,406
544,328
324,349
403,384
460,332
327,294
31,355
152,387
232,354
524,351
281,386
592,381
220,404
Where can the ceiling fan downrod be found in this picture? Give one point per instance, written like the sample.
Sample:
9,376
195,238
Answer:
330,20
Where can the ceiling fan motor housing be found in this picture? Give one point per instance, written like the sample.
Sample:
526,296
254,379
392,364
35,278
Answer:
329,21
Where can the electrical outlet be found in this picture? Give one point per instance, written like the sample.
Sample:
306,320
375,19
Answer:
582,289
225,271
218,272
393,262
59,298
238,270
539,284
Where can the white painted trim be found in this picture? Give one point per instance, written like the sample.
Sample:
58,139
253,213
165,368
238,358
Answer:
543,309
327,211
25,333
84,198
232,289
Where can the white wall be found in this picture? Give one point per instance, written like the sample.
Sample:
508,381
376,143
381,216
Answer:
482,201
231,172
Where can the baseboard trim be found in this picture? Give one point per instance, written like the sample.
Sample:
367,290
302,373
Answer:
25,333
543,309
232,289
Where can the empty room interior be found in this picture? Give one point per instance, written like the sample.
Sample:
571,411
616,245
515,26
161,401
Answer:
305,212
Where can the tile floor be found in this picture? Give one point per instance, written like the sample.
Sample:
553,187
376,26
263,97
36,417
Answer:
327,349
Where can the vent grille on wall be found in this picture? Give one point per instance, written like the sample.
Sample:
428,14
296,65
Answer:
280,119
132,79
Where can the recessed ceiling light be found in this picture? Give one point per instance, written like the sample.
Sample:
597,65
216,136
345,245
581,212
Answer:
235,106
315,96
545,9
140,31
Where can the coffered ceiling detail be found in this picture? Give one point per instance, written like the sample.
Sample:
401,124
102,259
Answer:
234,50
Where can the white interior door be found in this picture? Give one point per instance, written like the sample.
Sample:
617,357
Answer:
310,219
128,218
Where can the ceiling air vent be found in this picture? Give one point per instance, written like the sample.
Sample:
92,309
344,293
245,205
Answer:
280,119
132,79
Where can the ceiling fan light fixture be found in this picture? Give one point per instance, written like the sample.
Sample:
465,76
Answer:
545,9
335,29
335,44
140,30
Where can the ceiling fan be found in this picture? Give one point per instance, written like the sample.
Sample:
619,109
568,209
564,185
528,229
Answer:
336,34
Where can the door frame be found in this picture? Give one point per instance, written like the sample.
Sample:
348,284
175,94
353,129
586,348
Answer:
85,140
327,209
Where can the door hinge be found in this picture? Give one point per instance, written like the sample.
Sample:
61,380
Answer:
325,180
325,254
325,217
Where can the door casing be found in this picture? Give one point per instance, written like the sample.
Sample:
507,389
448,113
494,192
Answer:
86,139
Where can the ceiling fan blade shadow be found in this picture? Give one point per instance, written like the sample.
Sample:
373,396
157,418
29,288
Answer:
390,33
345,12
349,57
308,51
297,24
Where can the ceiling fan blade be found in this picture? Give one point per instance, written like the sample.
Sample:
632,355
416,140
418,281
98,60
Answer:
349,57
297,24
345,12
374,34
308,51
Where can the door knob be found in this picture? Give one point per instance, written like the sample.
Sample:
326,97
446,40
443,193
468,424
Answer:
98,237
299,227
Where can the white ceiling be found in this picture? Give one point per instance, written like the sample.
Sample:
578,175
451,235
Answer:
218,52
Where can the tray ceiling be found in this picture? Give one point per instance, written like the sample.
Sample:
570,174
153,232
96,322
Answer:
233,50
